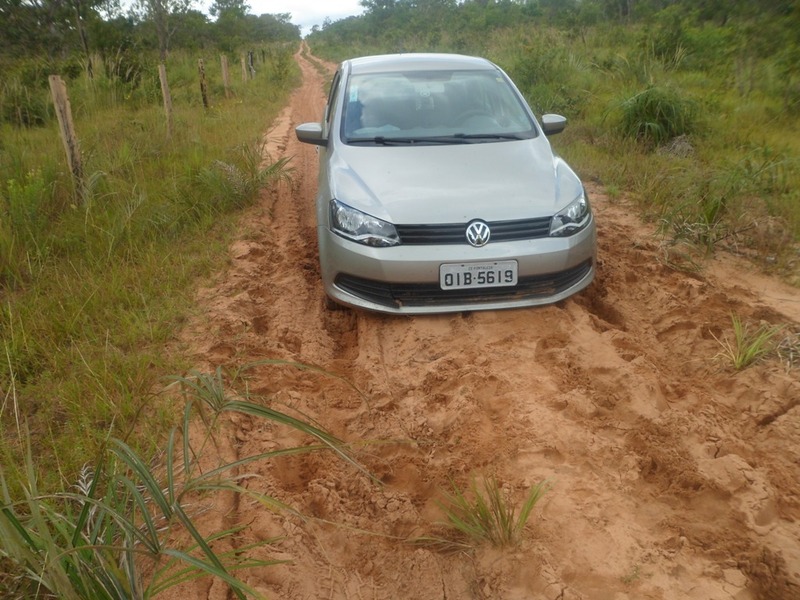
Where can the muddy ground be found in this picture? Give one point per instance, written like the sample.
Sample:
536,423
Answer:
672,476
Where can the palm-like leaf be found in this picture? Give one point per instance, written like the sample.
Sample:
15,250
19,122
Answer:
91,543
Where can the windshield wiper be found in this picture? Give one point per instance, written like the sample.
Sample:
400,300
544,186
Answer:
490,136
456,138
388,141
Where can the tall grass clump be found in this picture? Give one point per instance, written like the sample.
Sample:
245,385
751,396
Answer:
747,346
23,106
668,39
700,223
128,528
546,68
657,115
483,514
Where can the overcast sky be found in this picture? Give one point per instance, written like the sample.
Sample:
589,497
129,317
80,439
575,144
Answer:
305,13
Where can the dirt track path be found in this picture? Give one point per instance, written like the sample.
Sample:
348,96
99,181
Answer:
673,478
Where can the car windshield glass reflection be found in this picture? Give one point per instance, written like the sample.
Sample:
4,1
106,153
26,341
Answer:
433,108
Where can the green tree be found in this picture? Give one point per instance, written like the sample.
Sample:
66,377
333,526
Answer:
275,28
378,5
193,30
238,8
85,11
32,26
162,14
18,22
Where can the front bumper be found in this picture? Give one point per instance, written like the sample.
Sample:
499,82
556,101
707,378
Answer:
405,279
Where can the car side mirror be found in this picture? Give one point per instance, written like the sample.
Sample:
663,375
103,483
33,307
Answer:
311,133
553,124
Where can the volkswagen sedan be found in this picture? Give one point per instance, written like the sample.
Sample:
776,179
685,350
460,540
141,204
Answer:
439,191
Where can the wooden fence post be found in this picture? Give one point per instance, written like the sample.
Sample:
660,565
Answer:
251,64
162,75
226,78
203,86
244,69
58,90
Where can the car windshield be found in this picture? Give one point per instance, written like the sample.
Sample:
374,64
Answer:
435,107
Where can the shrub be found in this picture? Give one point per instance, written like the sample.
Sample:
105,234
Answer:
668,39
657,115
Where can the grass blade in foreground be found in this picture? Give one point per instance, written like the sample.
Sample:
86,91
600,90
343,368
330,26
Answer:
116,538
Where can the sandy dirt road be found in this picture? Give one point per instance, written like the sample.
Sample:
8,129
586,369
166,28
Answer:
672,476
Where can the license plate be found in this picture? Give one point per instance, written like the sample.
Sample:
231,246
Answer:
454,276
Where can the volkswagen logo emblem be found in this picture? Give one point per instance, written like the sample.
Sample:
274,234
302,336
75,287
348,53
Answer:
478,233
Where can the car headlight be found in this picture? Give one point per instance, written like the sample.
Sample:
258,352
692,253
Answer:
573,218
361,227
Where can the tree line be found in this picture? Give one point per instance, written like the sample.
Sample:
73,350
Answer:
62,29
719,10
770,26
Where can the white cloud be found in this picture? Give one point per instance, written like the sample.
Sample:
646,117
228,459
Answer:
307,13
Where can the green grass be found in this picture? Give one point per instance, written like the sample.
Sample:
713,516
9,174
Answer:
483,514
747,346
125,529
92,288
656,115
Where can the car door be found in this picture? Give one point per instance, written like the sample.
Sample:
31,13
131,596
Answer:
328,118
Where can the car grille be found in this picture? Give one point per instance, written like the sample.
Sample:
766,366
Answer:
396,295
456,233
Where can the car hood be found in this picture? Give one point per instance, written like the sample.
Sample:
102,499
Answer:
495,181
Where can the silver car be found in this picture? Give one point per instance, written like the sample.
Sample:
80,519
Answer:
439,192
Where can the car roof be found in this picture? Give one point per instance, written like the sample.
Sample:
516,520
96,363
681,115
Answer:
386,63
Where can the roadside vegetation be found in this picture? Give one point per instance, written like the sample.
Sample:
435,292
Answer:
94,282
